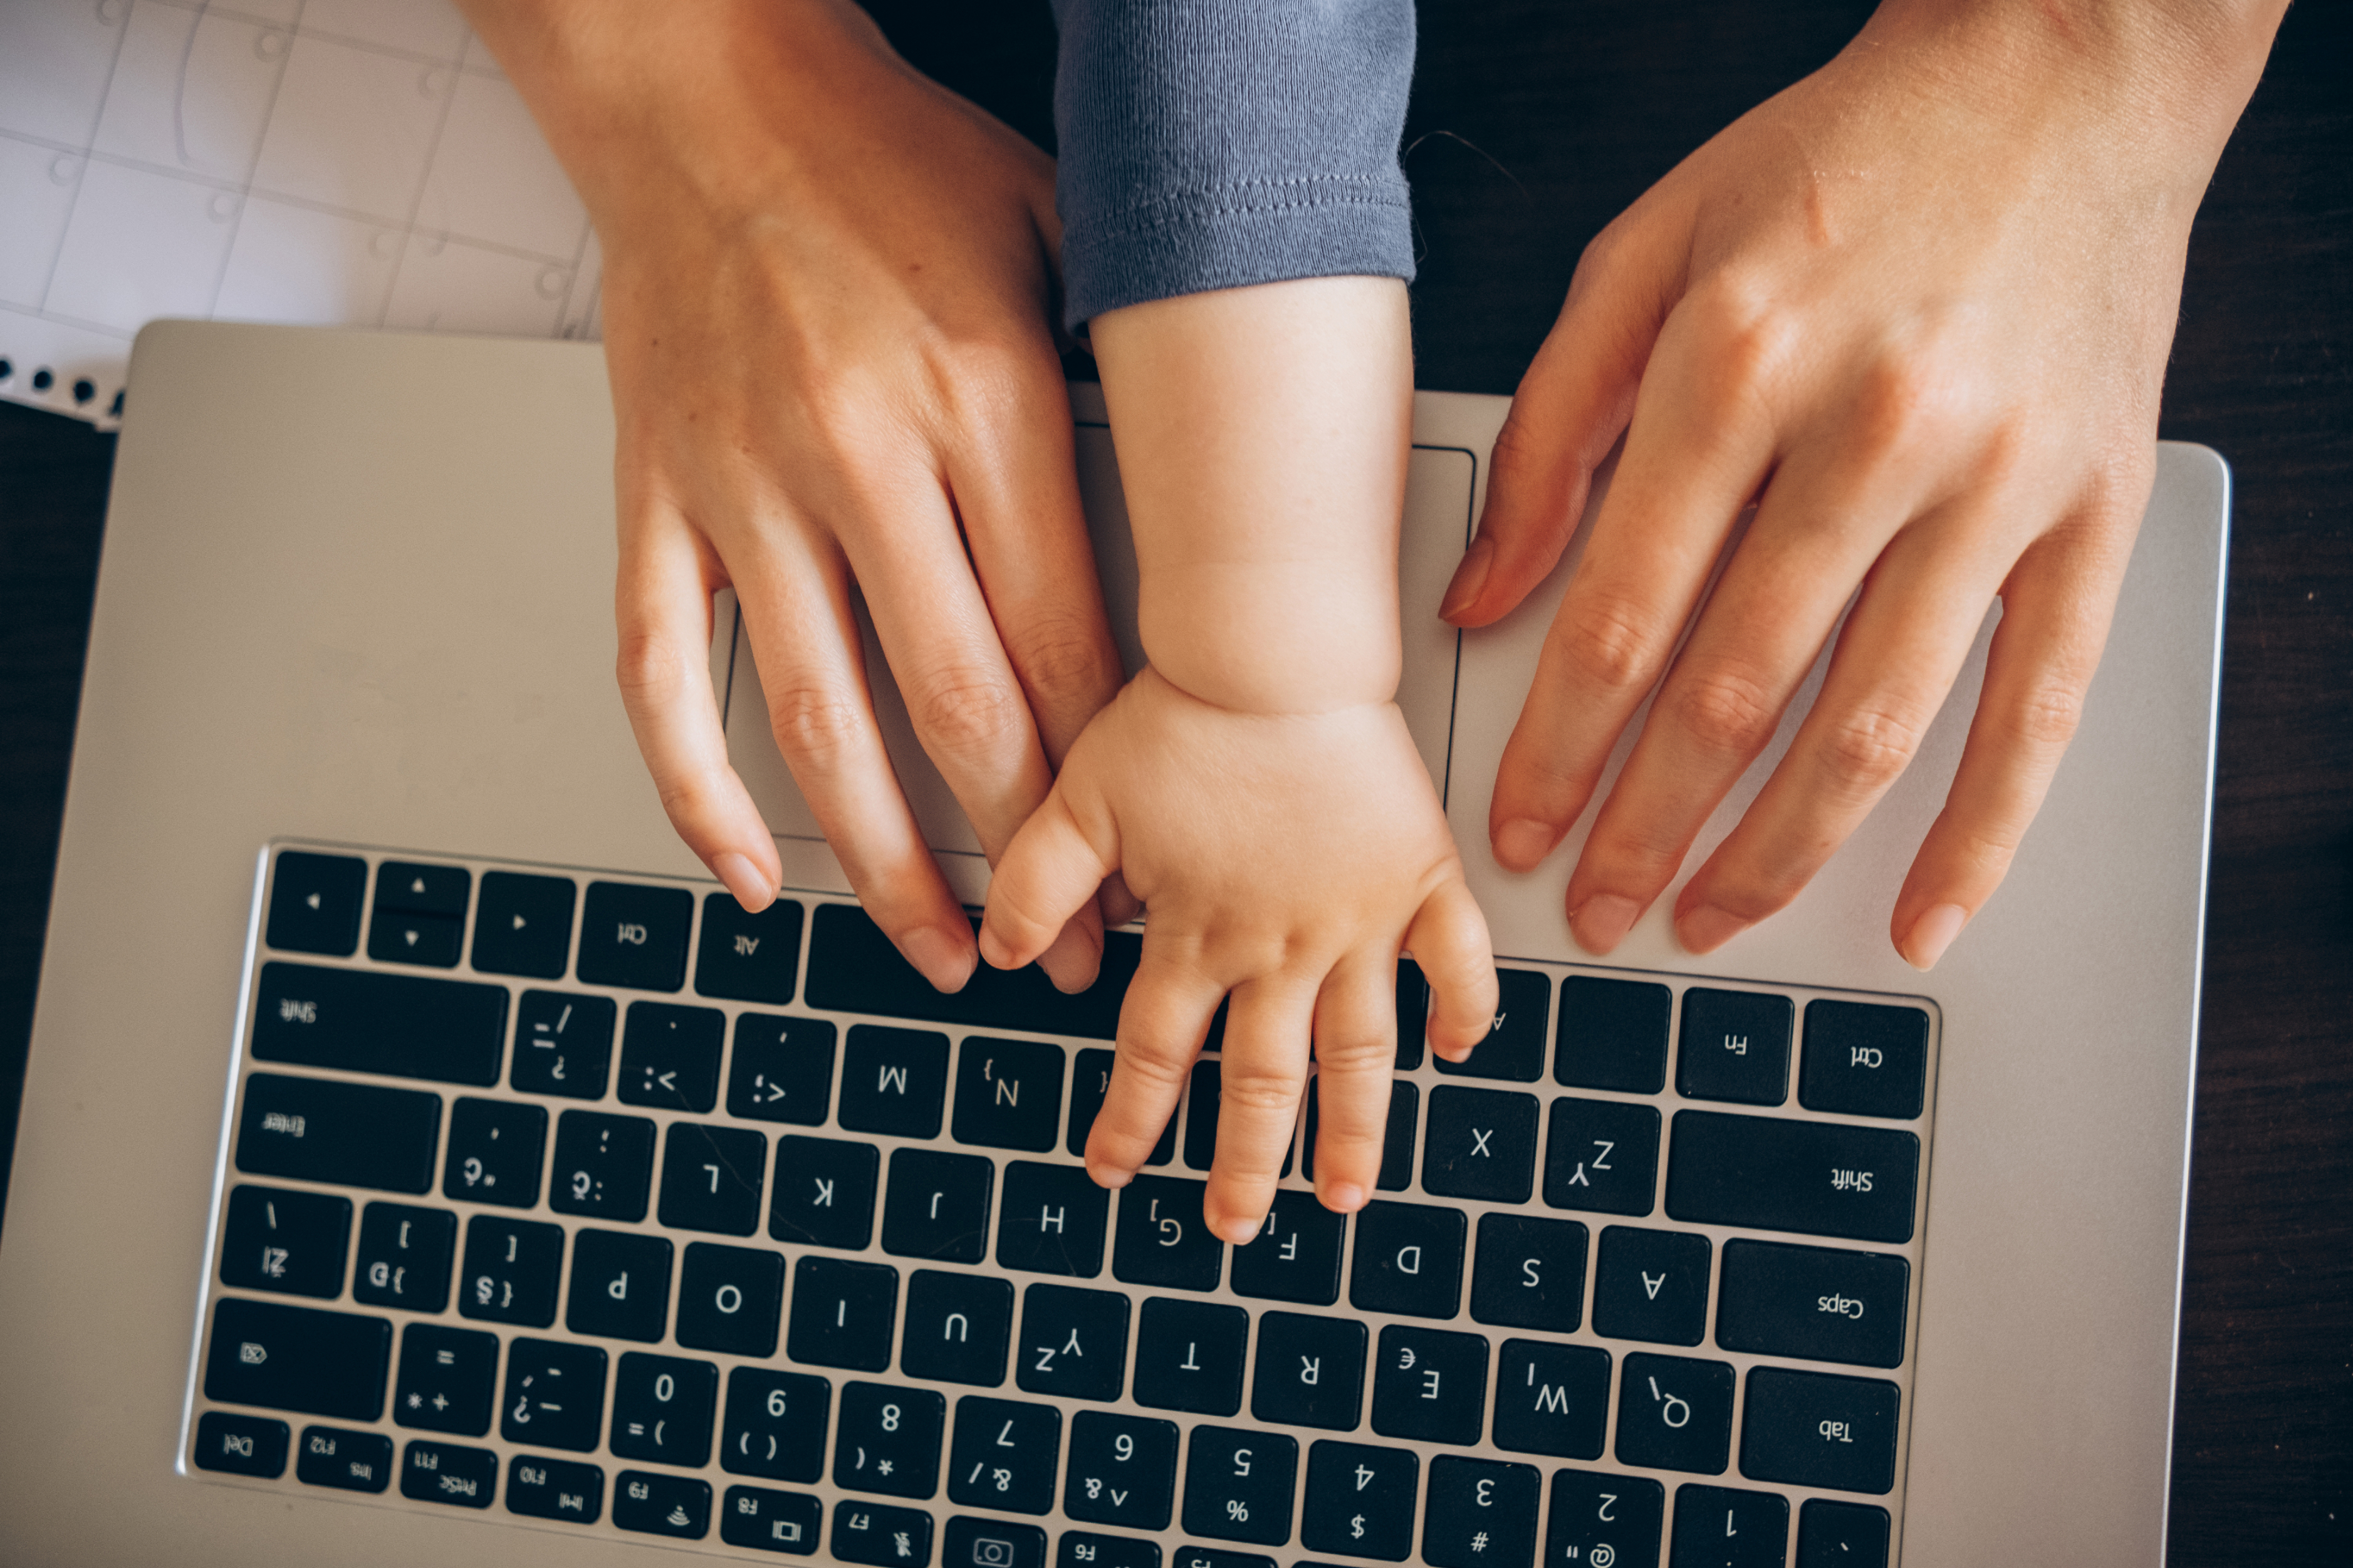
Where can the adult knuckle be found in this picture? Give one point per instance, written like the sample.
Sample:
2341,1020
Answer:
1607,642
818,724
1063,657
1726,712
1746,335
968,712
1865,751
646,665
2044,716
1904,402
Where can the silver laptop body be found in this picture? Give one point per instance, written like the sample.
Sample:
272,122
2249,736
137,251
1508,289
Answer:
354,604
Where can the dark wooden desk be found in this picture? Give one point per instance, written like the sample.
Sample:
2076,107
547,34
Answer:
1533,125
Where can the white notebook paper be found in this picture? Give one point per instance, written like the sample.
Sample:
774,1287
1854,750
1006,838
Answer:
354,163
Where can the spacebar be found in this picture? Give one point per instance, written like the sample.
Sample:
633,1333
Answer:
1769,1173
853,968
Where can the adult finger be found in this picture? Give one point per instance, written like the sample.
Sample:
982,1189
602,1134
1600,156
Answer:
1265,1072
2056,606
662,609
1047,875
1162,1023
1356,1058
1897,655
796,597
1701,438
1449,940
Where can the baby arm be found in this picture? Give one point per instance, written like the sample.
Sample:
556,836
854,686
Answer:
1256,785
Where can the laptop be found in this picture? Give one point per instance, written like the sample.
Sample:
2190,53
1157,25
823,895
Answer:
422,1159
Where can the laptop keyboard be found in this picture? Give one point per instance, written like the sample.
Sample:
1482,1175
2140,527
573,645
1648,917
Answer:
594,1202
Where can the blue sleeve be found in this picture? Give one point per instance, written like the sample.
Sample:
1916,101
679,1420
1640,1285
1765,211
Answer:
1213,144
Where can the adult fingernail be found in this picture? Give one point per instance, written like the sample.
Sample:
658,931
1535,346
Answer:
946,962
1931,933
1110,1177
1470,577
993,948
1522,843
1235,1229
1707,928
1602,922
739,877
1346,1197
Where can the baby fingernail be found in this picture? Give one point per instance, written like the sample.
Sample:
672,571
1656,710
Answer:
1521,843
946,962
1469,578
1707,928
1931,933
1602,922
1110,1177
741,878
1346,1197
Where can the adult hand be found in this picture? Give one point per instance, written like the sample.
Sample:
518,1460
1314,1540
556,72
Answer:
827,315
1916,310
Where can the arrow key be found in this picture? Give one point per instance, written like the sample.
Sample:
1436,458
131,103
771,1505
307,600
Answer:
523,925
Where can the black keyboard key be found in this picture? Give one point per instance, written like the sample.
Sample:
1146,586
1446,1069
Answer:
420,913
620,1285
1610,1520
959,1327
445,1473
1397,1149
564,1044
1051,1220
937,1205
604,1166
1734,1045
1651,1285
400,1025
404,1257
1819,1429
1842,1535
345,1460
774,1424
1360,1500
843,1313
782,1071
1721,1527
729,1298
768,1521
1295,1257
635,936
417,888
447,1378
555,1489
1551,1399
1816,1303
298,1357
1239,1485
662,1409
495,1147
346,1135
1204,1096
243,1444
394,937
523,926
824,1194
745,957
1602,1156
315,907
880,1536
1514,1049
1089,1081
1530,1273
1408,1260
713,1178
1816,1178
1480,1143
279,1239
992,1544
853,968
1008,1094
888,1440
1429,1384
1123,1470
1310,1372
1482,1514
1612,1035
1004,1456
655,1504
1160,1238
1188,1356
511,1271
1862,1058
1204,1557
1073,1342
554,1396
893,1081
669,1056
1413,1014
1085,1548
1674,1413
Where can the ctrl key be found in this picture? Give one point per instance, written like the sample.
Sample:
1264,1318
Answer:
555,1489
239,1445
445,1473
883,1536
767,1519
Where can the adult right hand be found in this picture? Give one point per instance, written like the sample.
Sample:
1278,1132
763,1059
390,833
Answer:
827,297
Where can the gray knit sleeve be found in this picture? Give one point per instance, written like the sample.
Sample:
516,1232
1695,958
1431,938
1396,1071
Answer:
1212,143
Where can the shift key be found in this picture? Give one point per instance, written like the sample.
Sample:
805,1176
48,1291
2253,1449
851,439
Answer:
1771,1172
348,1134
404,1026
